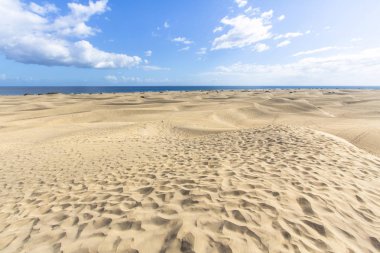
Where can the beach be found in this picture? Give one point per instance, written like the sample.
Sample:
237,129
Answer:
294,170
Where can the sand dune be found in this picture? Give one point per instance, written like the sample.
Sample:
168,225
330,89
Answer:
257,171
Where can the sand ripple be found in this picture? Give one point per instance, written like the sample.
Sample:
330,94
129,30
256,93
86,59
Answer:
271,189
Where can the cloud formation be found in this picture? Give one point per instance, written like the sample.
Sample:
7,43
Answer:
281,18
347,69
43,9
261,47
29,34
251,28
182,40
241,3
319,50
244,31
120,79
184,49
217,29
284,43
252,11
290,35
154,68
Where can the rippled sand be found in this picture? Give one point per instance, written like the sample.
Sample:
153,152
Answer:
258,171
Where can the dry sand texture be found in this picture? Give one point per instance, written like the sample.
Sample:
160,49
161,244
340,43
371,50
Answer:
257,171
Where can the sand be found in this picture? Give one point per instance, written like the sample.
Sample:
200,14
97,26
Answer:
231,171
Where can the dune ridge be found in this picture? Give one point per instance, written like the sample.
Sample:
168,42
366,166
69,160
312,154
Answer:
235,173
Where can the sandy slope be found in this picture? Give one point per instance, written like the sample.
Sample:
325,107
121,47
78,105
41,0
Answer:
191,172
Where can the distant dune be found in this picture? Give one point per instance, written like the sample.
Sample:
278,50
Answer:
231,171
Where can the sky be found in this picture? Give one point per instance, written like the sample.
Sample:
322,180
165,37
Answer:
189,42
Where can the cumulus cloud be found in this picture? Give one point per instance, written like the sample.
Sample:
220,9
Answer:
244,31
74,23
148,53
261,47
251,28
182,40
217,29
241,3
360,68
252,11
266,16
28,35
43,9
281,18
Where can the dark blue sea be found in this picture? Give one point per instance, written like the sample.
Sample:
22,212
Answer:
22,90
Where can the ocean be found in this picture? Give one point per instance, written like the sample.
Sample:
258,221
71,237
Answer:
23,90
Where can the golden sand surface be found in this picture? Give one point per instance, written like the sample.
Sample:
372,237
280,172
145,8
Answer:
217,171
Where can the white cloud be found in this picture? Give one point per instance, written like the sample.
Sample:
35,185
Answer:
218,29
88,56
261,47
43,9
360,68
129,79
74,24
284,43
122,79
252,11
281,18
288,35
133,79
319,50
154,68
244,31
266,16
202,51
148,53
241,3
182,40
29,37
286,38
184,49
165,25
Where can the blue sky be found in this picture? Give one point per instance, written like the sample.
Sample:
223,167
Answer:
189,42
